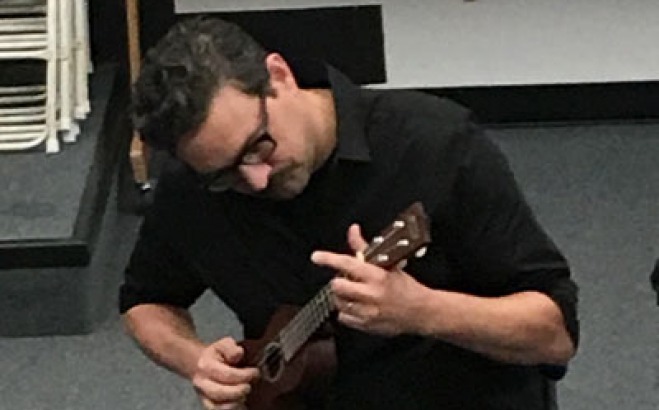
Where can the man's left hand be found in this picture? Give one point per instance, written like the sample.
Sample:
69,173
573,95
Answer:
370,298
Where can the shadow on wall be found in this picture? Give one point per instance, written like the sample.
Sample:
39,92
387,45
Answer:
654,280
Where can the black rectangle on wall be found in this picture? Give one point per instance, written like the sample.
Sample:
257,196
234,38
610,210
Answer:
350,38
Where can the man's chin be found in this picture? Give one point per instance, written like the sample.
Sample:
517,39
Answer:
285,186
282,193
273,192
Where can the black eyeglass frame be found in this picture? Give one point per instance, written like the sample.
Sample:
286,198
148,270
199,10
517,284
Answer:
224,178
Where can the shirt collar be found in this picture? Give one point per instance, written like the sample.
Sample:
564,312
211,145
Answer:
350,118
352,144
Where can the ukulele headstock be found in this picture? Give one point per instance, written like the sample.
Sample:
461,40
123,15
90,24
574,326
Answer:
406,236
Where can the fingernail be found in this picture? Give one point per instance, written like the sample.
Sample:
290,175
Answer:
314,257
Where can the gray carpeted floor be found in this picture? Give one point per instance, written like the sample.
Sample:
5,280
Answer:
593,187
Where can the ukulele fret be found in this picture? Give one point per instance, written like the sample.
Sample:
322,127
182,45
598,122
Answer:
306,322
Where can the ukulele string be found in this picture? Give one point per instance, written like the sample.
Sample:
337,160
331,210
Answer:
306,322
308,319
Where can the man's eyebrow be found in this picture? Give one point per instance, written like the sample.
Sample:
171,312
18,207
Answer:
237,160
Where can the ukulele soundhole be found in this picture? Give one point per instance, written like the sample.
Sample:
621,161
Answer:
272,363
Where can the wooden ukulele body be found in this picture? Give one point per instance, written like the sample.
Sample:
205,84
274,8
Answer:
304,381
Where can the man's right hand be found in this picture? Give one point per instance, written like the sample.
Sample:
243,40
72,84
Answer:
219,384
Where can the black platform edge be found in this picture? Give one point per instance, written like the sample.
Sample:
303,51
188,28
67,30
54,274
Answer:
76,251
547,104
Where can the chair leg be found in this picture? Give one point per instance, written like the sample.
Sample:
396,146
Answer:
52,143
71,135
82,65
64,45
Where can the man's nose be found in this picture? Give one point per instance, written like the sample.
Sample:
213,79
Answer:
255,175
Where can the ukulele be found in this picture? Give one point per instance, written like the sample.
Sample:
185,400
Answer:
297,361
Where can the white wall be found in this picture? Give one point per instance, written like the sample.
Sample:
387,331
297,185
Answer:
443,43
195,6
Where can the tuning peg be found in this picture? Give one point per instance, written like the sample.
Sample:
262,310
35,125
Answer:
382,258
421,252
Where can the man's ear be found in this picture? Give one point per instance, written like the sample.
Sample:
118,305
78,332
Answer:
281,74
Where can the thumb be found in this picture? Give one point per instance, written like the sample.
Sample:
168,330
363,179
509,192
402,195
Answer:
355,239
229,350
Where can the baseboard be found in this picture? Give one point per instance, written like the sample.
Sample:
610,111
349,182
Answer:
559,103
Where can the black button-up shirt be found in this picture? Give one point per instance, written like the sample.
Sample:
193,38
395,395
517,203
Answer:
394,148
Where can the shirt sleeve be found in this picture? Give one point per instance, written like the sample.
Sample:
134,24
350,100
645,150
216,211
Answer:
504,248
158,270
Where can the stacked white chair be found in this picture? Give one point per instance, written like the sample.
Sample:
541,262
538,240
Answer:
28,113
55,32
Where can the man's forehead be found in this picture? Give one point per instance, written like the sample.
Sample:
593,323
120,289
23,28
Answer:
232,111
232,117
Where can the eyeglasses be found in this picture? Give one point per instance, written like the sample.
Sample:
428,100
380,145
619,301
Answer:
256,150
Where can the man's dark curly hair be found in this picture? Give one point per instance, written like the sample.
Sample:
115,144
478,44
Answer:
183,72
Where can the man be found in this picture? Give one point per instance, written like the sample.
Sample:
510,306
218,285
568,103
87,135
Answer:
282,161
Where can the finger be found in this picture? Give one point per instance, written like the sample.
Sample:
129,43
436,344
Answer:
365,312
352,321
229,350
222,393
222,373
210,405
350,290
355,239
344,263
233,406
344,305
